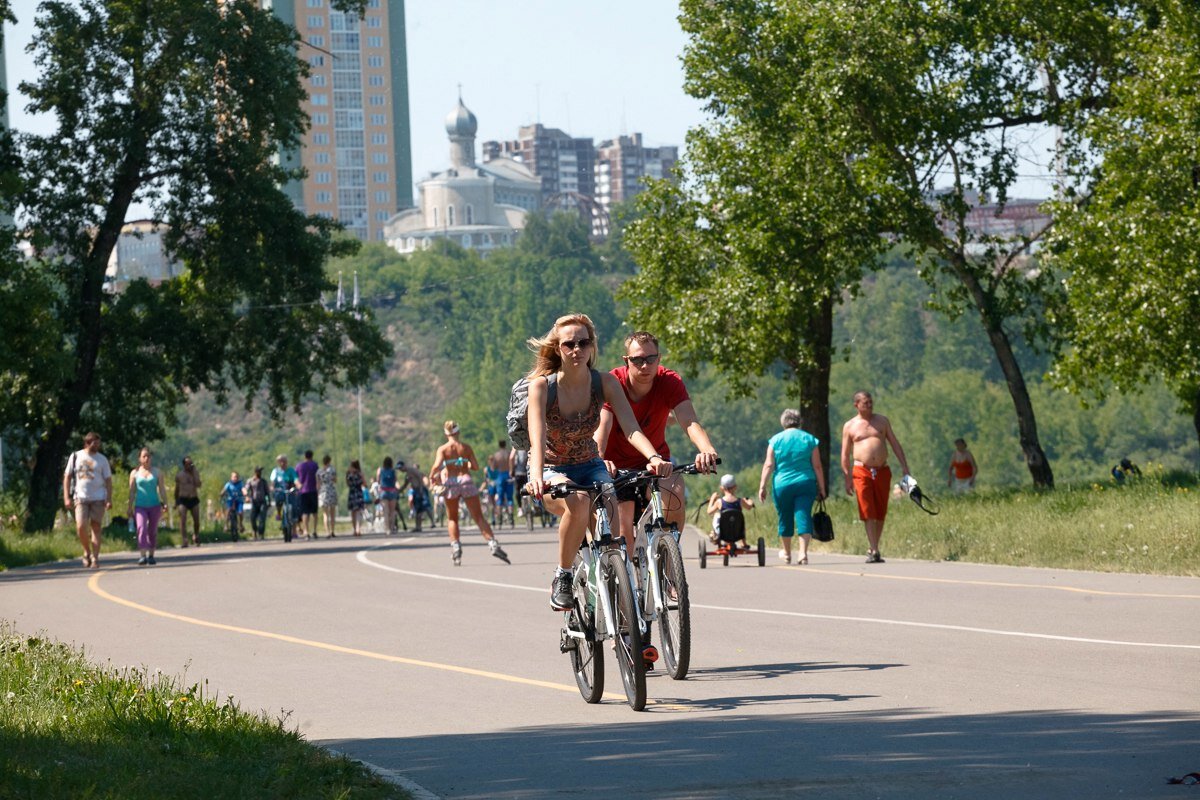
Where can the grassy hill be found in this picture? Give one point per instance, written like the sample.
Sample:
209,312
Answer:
458,324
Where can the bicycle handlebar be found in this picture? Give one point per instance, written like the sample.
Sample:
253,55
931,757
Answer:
561,490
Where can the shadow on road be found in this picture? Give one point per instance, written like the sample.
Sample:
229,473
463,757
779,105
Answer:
753,672
889,754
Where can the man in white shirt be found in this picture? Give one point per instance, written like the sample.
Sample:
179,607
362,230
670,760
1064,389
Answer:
91,495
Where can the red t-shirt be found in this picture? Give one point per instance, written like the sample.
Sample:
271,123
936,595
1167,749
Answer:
651,412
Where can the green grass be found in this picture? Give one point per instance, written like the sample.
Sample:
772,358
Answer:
69,728
19,549
1152,526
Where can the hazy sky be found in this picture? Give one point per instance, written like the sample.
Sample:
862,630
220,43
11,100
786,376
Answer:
594,69
591,69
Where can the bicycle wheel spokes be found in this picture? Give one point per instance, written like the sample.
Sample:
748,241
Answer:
587,657
675,624
628,636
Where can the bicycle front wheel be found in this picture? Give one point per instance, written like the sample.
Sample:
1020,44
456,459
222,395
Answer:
587,657
675,628
627,639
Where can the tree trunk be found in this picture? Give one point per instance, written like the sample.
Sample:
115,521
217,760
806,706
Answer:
1035,457
45,486
45,481
1196,414
813,380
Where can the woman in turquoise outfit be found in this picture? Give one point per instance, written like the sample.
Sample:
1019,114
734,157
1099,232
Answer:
799,479
147,499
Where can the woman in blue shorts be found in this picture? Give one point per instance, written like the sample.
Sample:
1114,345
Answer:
561,431
794,458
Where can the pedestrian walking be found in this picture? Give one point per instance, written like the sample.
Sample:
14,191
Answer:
147,502
87,486
327,494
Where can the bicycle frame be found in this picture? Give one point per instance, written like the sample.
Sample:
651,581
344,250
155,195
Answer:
649,527
589,552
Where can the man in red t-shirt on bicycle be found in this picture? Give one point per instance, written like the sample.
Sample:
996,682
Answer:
654,392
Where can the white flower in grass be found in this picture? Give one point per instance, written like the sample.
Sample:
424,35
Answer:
10,695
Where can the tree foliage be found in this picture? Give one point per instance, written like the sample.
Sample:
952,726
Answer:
743,261
1128,240
180,106
844,122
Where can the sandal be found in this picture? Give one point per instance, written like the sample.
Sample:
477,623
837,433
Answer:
803,562
87,560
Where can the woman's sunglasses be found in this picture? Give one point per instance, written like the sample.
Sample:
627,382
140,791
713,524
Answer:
576,344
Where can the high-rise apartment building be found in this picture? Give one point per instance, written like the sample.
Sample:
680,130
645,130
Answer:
566,164
621,164
358,152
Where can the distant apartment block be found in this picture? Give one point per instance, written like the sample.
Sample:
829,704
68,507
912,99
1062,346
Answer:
621,164
139,255
565,164
1019,218
577,174
358,152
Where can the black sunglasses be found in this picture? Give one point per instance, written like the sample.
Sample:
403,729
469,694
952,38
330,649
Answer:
641,361
576,344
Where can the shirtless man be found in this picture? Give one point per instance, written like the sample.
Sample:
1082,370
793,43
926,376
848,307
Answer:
865,440
500,485
414,479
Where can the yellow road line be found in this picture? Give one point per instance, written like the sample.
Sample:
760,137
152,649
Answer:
94,586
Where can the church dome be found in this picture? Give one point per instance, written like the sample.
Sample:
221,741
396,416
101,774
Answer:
461,122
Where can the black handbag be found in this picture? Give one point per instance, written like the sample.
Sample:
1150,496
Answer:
822,524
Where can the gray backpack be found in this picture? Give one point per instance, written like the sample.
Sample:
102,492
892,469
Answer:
518,406
518,409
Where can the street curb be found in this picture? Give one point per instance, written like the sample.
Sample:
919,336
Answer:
418,791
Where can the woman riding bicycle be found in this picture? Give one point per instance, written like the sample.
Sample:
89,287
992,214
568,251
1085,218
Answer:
561,431
457,459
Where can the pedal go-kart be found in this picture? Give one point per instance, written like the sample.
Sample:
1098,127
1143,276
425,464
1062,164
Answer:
731,529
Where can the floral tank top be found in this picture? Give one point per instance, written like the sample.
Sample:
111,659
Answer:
569,440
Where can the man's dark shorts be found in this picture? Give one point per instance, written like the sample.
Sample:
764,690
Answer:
308,502
190,503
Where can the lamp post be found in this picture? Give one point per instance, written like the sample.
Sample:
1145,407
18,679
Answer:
360,436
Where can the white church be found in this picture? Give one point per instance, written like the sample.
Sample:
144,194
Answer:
480,206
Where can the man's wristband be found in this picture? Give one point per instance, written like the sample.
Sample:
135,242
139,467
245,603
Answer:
656,455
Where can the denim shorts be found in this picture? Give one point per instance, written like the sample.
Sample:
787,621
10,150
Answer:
586,472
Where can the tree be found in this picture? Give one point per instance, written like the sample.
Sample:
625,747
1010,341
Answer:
1128,239
925,104
743,260
182,106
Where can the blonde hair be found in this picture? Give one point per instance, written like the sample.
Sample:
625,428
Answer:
547,359
450,427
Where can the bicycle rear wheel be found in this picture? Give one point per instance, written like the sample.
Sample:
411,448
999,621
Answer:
587,657
627,639
675,626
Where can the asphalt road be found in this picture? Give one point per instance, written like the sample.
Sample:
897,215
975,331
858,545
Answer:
835,680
